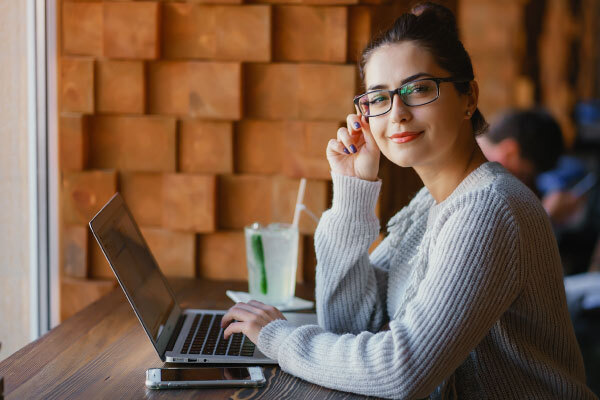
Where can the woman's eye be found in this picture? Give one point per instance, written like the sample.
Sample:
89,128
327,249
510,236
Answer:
420,89
377,99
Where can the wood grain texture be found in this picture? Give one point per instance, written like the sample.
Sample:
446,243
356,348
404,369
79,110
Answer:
102,352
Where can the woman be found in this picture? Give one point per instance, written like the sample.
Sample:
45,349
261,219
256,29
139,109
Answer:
464,297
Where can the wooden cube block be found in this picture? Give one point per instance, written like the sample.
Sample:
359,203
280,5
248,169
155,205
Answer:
175,252
326,91
305,149
189,202
85,193
188,31
77,85
295,91
243,33
271,91
131,30
222,256
134,143
205,147
259,145
309,33
76,294
73,142
168,88
120,87
216,32
142,192
74,240
244,199
99,267
82,28
215,90
209,90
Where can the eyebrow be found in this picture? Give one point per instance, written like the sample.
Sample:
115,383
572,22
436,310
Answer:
410,78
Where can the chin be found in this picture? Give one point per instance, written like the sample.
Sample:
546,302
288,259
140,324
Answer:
401,160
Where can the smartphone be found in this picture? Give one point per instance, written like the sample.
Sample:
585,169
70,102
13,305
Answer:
182,378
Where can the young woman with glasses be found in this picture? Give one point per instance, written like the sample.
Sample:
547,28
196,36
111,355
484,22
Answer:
464,297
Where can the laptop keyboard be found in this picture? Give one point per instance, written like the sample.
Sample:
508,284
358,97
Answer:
206,337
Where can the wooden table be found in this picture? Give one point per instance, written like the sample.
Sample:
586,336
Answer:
102,352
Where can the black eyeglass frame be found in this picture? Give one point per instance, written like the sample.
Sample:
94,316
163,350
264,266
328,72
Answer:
393,92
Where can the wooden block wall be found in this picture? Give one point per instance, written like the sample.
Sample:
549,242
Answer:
204,115
494,35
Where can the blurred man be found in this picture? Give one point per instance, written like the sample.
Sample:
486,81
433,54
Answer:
526,143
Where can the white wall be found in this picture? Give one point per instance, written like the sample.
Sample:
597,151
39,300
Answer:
16,244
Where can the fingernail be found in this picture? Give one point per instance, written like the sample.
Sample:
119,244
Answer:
346,151
356,125
353,148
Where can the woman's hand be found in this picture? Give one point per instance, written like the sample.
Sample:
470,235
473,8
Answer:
361,158
249,318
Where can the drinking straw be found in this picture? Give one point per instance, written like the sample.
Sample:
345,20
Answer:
299,204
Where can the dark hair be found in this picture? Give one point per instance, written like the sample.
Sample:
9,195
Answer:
538,134
433,27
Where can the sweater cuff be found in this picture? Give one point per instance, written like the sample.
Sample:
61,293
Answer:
272,336
354,196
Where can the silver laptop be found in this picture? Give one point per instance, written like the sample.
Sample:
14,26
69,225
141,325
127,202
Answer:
178,335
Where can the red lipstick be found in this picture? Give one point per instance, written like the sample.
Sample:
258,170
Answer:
404,137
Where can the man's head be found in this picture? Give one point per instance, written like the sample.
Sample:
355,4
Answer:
526,143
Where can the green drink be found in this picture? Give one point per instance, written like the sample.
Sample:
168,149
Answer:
272,260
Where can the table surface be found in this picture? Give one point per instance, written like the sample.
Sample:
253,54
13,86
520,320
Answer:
103,352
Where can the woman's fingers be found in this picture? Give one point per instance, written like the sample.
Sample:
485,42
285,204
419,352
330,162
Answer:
239,312
366,129
354,131
273,312
335,147
344,137
234,327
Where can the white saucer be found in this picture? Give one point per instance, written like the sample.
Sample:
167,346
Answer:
296,304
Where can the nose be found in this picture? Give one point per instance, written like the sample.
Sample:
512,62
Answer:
400,112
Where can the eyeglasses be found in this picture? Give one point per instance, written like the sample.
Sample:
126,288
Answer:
415,93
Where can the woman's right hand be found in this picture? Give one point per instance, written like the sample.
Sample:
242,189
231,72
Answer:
362,157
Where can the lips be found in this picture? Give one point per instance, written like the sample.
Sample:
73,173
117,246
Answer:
404,137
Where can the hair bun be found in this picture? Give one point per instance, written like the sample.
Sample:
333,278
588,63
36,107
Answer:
436,15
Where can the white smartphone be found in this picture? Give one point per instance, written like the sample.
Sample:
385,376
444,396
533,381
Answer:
182,378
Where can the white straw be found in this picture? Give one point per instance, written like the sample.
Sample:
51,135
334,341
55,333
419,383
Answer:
299,200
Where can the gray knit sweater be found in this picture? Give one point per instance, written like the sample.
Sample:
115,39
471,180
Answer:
471,287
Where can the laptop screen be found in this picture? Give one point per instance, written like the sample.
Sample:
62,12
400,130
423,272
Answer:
136,269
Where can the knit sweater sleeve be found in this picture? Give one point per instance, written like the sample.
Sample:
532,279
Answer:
471,278
350,288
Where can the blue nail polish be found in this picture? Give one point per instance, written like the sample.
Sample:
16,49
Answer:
353,148
346,151
356,125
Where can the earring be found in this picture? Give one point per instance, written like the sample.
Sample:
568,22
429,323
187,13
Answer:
468,112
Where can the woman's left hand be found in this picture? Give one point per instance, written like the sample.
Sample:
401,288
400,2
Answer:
249,318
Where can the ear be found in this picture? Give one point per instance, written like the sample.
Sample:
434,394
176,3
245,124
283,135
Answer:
472,98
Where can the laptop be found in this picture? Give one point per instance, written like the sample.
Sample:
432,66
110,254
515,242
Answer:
179,335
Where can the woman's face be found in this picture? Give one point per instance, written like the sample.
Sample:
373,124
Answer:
434,133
